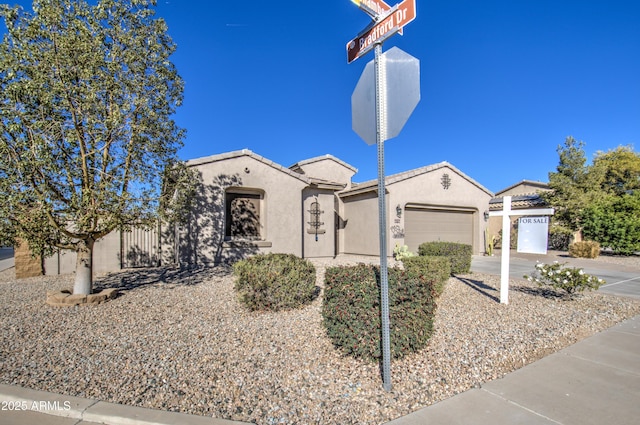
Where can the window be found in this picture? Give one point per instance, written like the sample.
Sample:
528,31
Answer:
242,215
315,225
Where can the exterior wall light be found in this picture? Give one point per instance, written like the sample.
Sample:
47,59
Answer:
486,216
399,211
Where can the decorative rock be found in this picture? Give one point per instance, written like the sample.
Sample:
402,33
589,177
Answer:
181,341
65,298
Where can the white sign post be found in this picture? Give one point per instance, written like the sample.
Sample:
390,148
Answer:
506,215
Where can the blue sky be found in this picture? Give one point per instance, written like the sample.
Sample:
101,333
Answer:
503,83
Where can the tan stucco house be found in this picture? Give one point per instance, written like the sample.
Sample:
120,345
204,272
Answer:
313,209
524,195
248,204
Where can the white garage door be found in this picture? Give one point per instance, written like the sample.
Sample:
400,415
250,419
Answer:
427,225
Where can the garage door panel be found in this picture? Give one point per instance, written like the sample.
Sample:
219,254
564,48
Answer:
427,225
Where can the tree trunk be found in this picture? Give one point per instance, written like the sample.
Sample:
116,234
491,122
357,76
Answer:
84,272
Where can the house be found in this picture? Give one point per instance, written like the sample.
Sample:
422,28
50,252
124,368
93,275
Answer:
247,204
524,195
432,203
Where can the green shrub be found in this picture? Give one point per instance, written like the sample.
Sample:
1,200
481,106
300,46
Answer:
435,269
559,237
584,249
568,279
351,310
275,282
459,254
614,222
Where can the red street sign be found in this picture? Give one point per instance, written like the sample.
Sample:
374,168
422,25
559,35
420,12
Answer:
397,17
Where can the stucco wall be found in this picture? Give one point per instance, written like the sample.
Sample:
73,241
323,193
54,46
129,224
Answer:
324,244
361,234
328,169
361,229
202,240
106,257
26,265
427,190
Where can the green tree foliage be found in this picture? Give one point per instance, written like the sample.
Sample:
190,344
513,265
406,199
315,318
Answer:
86,98
573,186
618,170
600,199
614,222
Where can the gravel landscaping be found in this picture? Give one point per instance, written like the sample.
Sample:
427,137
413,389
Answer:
179,340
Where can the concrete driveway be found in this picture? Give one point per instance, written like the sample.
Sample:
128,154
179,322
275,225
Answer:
620,280
6,258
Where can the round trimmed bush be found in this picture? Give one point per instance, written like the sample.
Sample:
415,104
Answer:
351,310
275,282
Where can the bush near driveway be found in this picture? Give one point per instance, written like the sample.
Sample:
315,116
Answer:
351,310
435,269
584,249
459,254
570,280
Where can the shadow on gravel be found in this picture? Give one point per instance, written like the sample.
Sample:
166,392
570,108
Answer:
479,286
538,292
168,277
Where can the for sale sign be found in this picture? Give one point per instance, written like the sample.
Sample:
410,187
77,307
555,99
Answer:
533,234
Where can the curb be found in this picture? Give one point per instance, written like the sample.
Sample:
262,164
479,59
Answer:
98,411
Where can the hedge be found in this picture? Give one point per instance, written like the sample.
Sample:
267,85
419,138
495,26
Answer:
435,269
459,254
275,282
351,310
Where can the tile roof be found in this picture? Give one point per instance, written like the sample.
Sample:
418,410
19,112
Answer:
395,178
518,202
321,158
246,152
251,154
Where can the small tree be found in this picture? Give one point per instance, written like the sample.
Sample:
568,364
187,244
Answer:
573,186
86,98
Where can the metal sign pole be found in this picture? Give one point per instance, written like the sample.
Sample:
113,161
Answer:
384,26
381,133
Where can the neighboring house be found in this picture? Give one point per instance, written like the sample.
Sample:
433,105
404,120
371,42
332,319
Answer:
247,204
524,195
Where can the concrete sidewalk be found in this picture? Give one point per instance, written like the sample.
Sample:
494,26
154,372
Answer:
621,280
596,381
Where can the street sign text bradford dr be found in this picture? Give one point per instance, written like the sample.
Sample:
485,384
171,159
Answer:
397,17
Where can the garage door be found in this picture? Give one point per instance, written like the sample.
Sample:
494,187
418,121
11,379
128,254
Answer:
427,225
